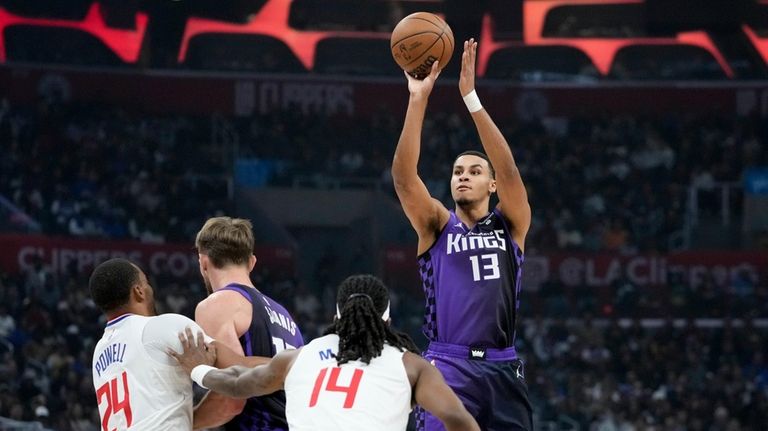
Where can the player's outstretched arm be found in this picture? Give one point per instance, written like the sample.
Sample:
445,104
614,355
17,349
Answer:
435,396
427,215
513,198
241,382
226,357
236,381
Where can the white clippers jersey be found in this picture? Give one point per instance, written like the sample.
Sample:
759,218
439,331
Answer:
354,397
138,386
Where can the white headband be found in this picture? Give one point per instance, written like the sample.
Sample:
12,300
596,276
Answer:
384,315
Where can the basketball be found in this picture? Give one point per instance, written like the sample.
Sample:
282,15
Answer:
419,40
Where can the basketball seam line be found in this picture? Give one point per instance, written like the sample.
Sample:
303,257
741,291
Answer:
439,37
431,22
415,34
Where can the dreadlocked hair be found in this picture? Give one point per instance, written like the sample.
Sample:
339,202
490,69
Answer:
362,299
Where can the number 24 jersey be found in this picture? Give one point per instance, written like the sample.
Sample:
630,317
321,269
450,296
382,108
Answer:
138,386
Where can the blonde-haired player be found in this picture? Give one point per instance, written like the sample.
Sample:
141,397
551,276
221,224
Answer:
359,376
241,318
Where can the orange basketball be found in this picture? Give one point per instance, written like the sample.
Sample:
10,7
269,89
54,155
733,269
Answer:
419,40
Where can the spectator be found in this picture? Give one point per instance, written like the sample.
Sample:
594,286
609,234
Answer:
7,322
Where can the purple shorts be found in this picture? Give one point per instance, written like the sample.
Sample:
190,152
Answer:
490,383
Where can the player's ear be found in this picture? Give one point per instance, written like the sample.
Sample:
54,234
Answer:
138,293
251,263
492,186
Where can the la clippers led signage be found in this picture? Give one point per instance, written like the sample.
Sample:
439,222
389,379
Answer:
272,21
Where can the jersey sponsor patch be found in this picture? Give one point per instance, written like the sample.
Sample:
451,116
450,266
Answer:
326,354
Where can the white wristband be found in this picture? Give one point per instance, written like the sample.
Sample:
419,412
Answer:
199,372
473,102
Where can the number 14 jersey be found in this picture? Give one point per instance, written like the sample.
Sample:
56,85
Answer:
471,279
354,396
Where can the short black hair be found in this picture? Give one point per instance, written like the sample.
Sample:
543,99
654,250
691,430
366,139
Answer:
110,283
362,299
482,156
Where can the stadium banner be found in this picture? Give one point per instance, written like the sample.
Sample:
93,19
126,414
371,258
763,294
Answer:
248,94
19,253
602,269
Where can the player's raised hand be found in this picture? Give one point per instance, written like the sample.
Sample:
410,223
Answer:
421,88
467,77
195,352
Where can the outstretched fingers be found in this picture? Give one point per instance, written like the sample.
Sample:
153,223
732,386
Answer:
465,56
472,53
469,55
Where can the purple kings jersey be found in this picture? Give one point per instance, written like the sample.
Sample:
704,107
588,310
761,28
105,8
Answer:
471,279
272,330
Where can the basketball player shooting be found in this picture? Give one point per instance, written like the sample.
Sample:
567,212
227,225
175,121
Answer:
359,376
470,260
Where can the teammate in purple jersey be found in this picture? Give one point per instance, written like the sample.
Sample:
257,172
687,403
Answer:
470,261
242,318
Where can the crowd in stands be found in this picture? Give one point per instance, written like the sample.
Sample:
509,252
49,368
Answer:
629,377
615,183
104,173
743,296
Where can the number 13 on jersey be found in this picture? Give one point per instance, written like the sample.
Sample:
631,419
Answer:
333,385
485,267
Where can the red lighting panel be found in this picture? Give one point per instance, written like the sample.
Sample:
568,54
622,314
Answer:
126,44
